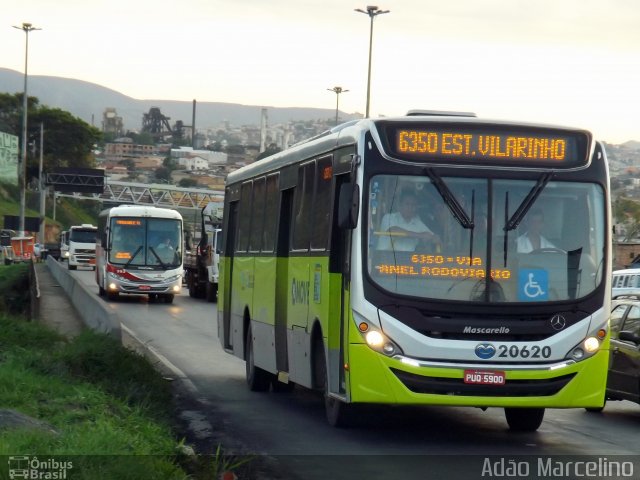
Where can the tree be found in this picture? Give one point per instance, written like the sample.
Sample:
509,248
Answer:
127,162
68,141
163,173
270,150
170,163
188,182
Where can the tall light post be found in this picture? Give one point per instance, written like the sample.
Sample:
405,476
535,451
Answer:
337,91
372,11
22,165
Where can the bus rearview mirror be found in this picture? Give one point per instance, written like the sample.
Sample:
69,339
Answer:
348,205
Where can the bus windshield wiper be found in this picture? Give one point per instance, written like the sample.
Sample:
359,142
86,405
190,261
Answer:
528,202
513,222
156,255
450,200
133,256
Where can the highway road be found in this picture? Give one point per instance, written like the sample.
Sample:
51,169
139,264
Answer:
389,442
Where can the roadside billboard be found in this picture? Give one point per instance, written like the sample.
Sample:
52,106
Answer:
8,158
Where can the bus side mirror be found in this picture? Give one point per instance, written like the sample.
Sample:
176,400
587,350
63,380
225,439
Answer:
348,205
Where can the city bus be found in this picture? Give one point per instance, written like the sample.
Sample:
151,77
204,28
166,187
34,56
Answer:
139,251
494,292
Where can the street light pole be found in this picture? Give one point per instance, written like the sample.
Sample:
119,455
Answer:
22,165
337,91
372,11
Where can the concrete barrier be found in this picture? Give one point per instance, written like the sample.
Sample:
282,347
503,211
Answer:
94,312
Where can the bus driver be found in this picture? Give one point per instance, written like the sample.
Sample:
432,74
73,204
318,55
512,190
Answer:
405,228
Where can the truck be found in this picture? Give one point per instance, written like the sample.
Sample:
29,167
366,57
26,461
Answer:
201,261
80,246
6,250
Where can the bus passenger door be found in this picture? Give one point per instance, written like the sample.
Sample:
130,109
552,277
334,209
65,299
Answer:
227,279
282,280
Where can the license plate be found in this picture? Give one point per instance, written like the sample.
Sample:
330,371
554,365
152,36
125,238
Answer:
479,377
144,287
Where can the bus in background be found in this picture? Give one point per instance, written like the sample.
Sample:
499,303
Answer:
431,259
139,251
625,282
80,246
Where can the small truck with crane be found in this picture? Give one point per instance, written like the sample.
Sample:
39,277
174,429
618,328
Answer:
201,260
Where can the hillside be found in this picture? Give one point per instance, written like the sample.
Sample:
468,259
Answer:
88,101
68,211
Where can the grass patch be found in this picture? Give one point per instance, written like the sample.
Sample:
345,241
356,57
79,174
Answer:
14,285
106,403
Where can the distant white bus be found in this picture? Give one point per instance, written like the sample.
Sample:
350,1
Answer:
625,282
139,251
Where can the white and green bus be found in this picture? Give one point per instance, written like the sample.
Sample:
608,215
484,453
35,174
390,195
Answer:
431,259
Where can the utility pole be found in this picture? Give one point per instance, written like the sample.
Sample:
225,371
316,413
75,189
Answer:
22,164
372,11
337,91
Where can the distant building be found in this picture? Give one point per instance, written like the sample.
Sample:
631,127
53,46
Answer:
111,122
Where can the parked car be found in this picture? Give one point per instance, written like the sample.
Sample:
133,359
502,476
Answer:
623,381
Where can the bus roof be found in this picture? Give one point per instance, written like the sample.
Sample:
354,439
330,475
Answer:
350,132
141,211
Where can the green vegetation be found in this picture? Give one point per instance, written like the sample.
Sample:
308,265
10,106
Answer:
107,405
106,409
68,211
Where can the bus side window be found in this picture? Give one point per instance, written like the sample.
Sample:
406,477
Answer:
302,209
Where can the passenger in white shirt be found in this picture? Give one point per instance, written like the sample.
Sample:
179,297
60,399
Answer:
533,239
405,228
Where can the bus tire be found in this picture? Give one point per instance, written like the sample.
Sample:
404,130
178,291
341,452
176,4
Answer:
111,296
191,285
212,292
524,419
258,379
168,298
338,413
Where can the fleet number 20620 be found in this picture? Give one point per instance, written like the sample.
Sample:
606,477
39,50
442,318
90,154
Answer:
524,351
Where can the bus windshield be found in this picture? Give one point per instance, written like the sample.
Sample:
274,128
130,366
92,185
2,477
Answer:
470,239
145,242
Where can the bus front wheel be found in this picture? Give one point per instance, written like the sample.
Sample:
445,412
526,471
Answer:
524,419
258,380
339,414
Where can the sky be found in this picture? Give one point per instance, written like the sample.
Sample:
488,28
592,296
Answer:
565,62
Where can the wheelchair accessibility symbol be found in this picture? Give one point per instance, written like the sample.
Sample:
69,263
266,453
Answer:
533,285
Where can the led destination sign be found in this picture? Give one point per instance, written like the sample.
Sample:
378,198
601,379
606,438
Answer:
492,145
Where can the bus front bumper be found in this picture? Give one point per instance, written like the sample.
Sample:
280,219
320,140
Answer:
375,378
118,284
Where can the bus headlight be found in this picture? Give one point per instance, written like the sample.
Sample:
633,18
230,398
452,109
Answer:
113,286
177,288
591,344
587,348
381,343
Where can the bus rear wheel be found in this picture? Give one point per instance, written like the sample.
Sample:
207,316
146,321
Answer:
258,380
524,419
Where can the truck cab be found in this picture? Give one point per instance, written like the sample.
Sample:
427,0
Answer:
201,262
81,246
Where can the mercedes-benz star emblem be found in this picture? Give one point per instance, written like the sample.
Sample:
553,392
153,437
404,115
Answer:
558,322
